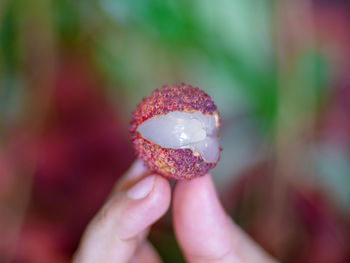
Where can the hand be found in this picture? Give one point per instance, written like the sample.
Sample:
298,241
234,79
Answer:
204,231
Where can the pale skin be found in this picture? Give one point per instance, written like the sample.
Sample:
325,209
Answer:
205,233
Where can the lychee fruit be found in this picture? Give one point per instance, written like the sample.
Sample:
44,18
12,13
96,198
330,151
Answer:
175,131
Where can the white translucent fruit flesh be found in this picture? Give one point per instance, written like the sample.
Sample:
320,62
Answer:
181,130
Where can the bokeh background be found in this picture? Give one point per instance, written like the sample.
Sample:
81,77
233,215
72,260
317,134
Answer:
71,73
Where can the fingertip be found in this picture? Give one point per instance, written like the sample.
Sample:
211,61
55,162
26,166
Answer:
137,168
160,196
196,194
124,219
162,192
132,175
200,222
199,183
141,189
140,213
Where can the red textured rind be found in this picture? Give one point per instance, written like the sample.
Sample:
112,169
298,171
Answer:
171,163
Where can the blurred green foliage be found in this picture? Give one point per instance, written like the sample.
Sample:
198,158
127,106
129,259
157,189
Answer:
9,63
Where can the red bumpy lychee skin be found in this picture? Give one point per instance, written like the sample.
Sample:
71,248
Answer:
172,163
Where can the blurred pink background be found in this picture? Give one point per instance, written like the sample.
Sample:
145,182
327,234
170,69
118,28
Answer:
71,73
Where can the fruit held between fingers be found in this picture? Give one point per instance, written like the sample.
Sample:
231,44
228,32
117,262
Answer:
175,131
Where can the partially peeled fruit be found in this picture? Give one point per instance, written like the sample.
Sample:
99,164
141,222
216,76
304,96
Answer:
175,131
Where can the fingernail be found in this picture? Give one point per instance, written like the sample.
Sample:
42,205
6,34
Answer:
142,188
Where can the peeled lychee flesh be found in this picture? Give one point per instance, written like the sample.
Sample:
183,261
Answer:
175,131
